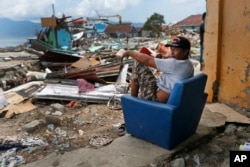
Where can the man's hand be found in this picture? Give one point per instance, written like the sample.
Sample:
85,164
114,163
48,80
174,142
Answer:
120,53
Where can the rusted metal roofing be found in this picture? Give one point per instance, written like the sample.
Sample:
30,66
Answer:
193,20
164,27
122,28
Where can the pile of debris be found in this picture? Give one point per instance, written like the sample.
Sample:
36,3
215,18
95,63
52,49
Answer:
101,70
59,76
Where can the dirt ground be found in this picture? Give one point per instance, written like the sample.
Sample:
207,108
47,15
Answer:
93,125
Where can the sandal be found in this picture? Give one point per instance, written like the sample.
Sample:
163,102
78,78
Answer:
121,130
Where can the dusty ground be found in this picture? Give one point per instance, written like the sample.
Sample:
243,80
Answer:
93,125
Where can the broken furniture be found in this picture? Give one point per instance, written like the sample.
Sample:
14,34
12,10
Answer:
167,124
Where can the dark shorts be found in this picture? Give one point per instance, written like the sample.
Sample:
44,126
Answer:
146,80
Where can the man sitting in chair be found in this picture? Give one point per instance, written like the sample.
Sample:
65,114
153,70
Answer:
172,69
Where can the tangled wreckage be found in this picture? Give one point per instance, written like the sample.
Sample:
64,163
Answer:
84,80
70,68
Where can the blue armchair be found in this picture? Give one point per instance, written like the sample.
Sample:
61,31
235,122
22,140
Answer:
167,125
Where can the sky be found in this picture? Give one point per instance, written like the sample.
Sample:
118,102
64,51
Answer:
136,11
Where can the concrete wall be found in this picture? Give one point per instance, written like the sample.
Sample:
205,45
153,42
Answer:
227,52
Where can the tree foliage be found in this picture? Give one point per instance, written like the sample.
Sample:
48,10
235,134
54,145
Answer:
154,24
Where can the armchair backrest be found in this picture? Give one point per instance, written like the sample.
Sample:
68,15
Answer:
188,90
189,98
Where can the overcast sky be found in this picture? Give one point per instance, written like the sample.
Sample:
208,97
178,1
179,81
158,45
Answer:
130,10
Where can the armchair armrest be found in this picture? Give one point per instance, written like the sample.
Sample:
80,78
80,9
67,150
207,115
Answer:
147,119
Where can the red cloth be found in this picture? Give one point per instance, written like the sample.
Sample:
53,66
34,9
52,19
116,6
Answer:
84,86
148,51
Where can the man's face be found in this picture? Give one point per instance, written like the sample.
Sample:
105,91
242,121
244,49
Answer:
179,53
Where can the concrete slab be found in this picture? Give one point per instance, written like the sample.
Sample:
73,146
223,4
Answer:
230,114
212,119
122,152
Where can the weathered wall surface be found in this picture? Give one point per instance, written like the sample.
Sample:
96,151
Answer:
227,52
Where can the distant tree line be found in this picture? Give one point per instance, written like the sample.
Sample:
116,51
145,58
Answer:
154,24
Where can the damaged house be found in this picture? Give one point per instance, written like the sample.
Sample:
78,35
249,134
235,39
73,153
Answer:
191,23
121,30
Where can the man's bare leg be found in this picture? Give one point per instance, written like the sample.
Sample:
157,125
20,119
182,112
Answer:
134,87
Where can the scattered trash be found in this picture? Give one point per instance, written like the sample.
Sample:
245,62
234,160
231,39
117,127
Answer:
60,132
114,103
57,113
3,102
33,142
78,122
50,127
122,130
98,141
71,103
13,161
197,159
4,147
64,146
245,147
80,132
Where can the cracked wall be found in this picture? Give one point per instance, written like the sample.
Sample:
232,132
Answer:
227,51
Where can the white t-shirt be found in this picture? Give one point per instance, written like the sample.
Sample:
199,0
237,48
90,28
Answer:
172,70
